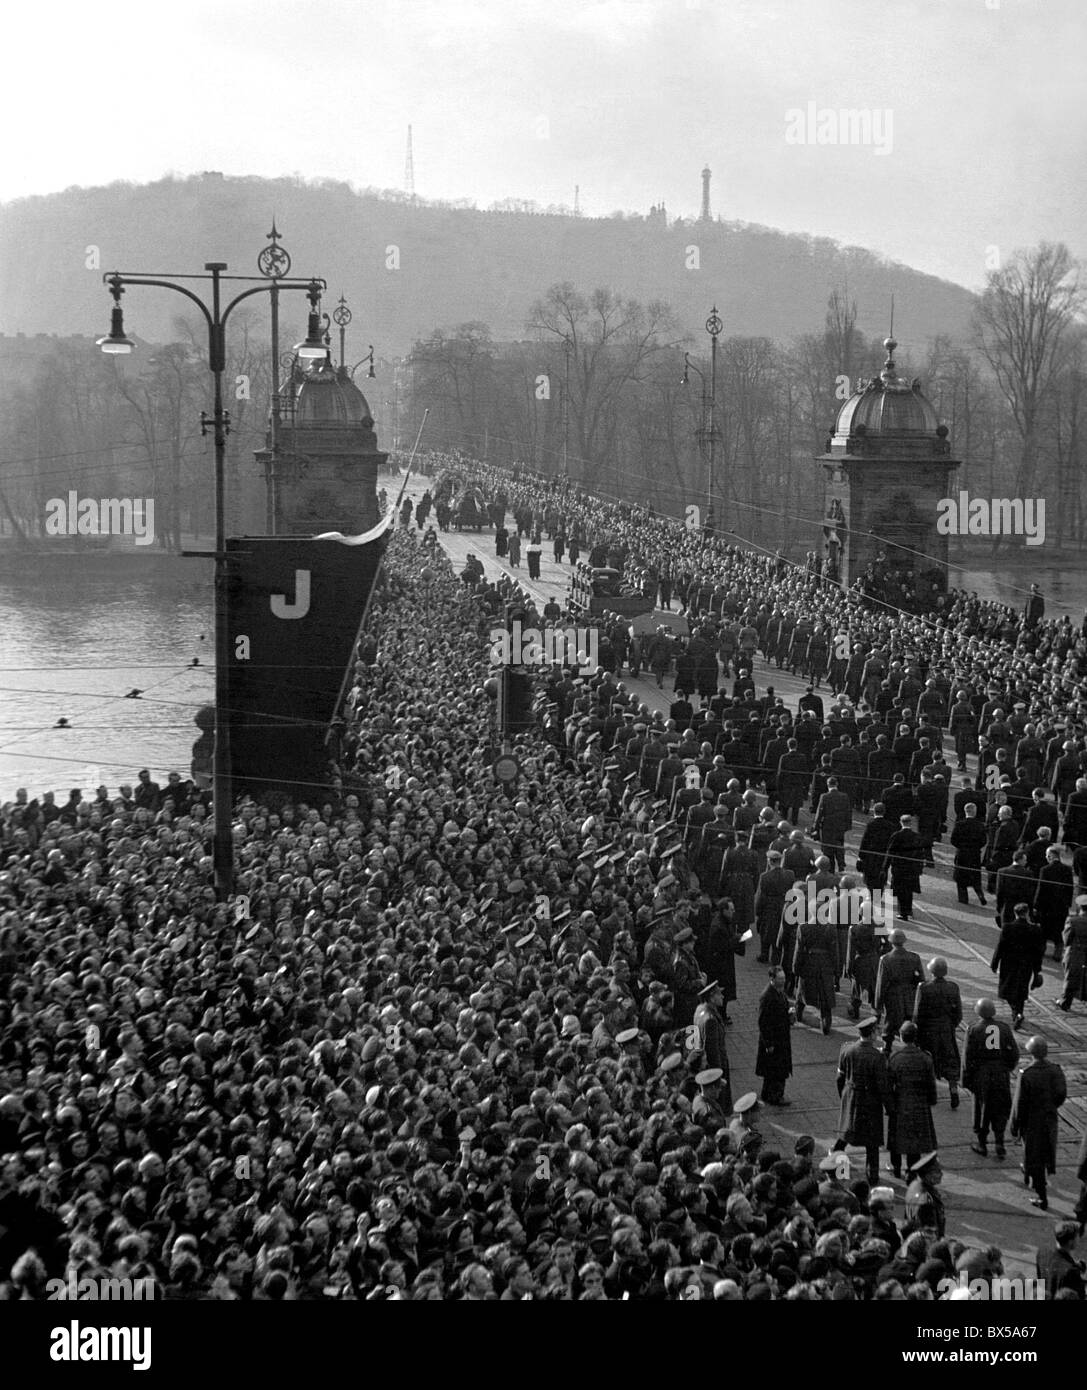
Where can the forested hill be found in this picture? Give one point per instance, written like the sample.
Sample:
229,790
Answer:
456,264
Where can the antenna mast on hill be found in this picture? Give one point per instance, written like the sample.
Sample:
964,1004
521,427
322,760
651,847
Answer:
577,200
409,170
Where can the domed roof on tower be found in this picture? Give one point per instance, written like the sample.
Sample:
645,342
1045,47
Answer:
327,396
888,412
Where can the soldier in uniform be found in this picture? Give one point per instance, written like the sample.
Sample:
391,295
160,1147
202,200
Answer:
923,1194
712,1105
937,1011
710,1026
992,1054
769,902
899,974
686,977
1039,1095
865,1093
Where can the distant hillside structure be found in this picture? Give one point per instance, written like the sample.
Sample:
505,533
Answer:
705,217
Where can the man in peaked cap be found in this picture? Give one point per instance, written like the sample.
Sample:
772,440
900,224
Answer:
712,1105
710,1027
865,1091
924,1192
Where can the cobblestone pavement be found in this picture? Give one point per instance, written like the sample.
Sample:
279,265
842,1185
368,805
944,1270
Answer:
986,1200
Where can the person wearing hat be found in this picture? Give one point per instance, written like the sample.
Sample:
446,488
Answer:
709,1029
1018,956
937,1011
742,1124
713,1103
1039,1094
774,1060
1074,937
770,893
686,976
865,1091
923,1201
913,1093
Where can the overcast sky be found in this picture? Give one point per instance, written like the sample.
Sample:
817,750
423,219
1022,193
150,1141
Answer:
626,98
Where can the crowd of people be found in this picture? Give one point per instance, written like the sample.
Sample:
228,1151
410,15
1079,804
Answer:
463,1039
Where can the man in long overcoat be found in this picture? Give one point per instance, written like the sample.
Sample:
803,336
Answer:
937,1011
1039,1095
833,819
865,1093
968,839
769,901
913,1094
905,859
815,965
872,853
774,1062
899,974
863,952
793,781
992,1054
1053,897
1014,885
1018,957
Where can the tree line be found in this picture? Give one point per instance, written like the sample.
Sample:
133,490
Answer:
595,390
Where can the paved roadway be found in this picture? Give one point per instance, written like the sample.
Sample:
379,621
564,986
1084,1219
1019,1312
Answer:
986,1200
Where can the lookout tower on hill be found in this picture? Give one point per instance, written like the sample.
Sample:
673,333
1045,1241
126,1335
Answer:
323,474
886,468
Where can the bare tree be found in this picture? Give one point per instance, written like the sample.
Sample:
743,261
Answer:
1021,327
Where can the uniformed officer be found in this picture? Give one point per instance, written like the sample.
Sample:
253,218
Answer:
865,1091
710,1026
711,1106
924,1192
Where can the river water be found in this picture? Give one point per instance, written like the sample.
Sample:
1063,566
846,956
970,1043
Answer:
74,638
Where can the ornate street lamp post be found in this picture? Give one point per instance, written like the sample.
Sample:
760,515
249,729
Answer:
117,343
